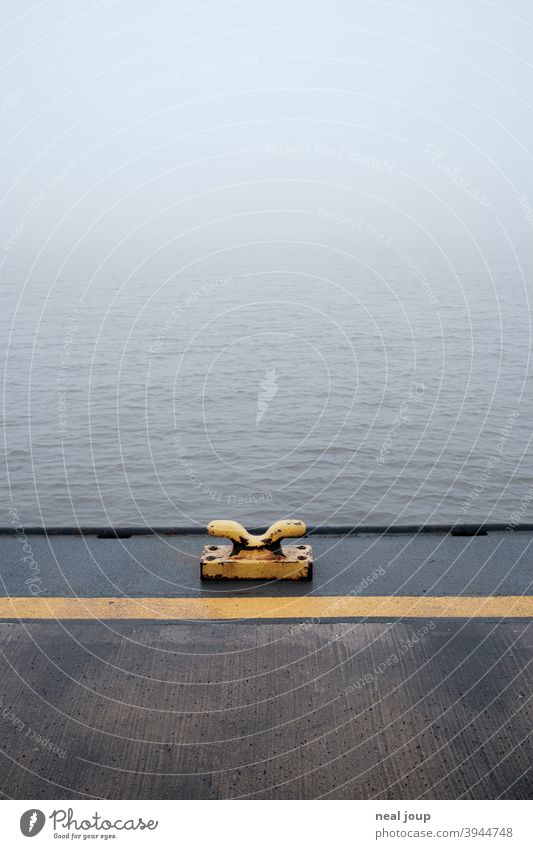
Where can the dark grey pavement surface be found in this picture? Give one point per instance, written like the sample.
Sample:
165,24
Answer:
144,710
412,564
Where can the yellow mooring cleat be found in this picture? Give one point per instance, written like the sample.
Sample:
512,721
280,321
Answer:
255,557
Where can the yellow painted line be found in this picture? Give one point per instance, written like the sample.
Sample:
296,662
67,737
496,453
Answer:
307,607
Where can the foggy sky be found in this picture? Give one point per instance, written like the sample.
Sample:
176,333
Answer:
221,123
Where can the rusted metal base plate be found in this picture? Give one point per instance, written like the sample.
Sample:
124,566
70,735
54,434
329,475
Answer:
295,564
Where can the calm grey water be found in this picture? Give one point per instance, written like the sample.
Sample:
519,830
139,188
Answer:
378,386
